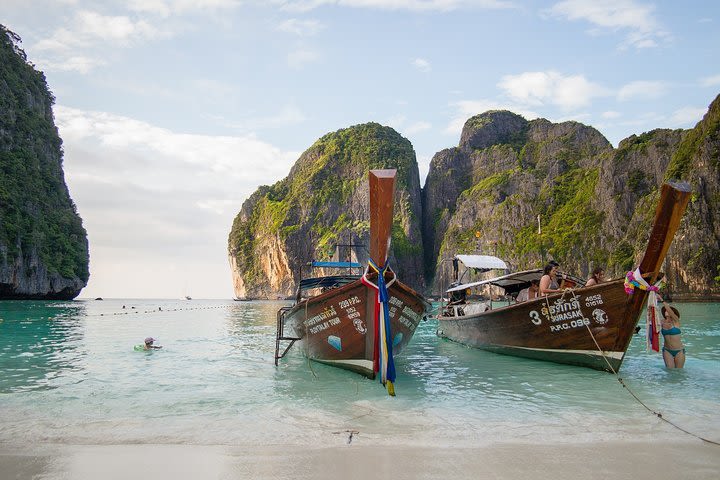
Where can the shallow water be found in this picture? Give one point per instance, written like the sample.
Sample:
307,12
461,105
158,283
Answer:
70,375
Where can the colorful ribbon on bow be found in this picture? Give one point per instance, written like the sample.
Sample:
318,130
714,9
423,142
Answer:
382,354
635,280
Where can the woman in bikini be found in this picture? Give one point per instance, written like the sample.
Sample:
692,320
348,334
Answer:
673,349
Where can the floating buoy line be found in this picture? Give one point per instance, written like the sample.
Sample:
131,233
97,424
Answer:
134,311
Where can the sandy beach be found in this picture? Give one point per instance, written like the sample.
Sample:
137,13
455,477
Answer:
616,460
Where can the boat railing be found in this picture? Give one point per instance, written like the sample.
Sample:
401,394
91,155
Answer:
280,334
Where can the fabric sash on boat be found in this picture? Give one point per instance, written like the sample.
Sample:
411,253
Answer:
382,353
652,324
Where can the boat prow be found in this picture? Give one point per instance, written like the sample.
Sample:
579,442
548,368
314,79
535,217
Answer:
338,320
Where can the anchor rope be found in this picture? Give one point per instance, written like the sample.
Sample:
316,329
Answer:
625,386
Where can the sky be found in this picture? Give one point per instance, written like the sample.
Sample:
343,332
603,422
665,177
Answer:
173,112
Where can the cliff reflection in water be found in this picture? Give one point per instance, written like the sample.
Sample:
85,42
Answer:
40,343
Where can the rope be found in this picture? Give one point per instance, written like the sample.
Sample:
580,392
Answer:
657,414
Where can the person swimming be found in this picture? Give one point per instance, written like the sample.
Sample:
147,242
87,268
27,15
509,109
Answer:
148,345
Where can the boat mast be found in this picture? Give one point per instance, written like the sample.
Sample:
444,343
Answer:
674,197
382,199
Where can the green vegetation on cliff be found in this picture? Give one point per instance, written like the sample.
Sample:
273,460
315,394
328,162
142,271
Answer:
707,131
36,212
320,205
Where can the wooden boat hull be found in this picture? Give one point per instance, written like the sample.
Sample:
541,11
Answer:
589,327
338,326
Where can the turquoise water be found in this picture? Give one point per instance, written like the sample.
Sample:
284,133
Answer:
69,374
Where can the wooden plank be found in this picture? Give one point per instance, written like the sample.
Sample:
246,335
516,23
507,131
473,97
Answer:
382,199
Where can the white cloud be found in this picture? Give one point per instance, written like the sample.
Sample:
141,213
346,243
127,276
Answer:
611,114
288,115
78,64
411,5
551,88
713,81
302,28
299,58
147,192
615,15
417,127
88,27
83,45
167,8
398,122
115,29
687,117
421,64
167,156
641,89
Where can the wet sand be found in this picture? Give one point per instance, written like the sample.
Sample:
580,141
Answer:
616,460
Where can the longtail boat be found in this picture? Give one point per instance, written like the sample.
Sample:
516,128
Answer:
585,326
357,321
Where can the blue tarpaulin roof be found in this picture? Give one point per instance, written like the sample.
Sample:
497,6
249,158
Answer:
336,264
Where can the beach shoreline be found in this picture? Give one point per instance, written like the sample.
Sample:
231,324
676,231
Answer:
617,459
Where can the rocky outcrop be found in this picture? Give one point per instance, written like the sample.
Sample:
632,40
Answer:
694,260
324,202
526,191
43,245
593,203
485,196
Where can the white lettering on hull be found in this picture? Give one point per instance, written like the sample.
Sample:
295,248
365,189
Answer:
566,314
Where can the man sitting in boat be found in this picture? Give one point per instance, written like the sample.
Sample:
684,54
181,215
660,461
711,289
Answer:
529,293
459,297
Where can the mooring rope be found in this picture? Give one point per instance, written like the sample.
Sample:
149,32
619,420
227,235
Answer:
625,386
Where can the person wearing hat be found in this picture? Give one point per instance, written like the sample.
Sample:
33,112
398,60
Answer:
149,341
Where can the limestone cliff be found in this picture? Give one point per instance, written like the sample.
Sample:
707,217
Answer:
593,203
324,202
43,245
485,196
694,263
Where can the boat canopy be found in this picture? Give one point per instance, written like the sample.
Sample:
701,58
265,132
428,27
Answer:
505,281
331,281
482,262
514,282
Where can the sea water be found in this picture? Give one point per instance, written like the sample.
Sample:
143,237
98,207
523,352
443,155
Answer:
69,375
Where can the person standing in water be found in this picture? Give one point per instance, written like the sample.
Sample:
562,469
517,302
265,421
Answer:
673,350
